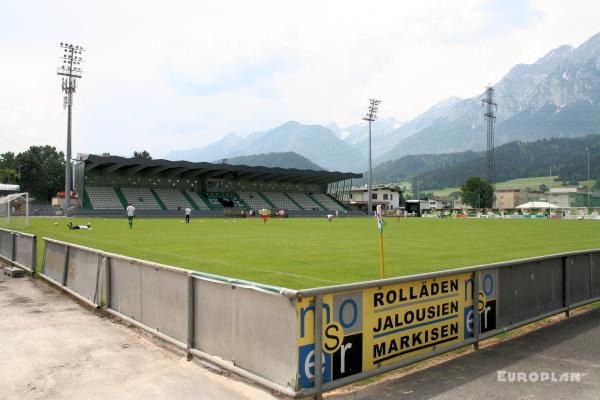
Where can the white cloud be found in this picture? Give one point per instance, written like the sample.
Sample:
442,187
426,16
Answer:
166,75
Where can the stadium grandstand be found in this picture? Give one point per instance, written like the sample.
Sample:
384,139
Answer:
163,187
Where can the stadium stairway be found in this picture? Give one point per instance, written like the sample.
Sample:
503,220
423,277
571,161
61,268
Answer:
206,201
189,198
337,201
158,199
121,197
265,198
319,204
294,201
87,203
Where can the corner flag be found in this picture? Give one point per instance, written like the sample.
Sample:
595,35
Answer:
380,225
380,221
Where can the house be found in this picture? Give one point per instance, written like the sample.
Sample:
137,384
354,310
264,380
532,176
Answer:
388,197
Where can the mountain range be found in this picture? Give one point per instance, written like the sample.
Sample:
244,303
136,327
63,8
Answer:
282,160
565,157
315,142
557,96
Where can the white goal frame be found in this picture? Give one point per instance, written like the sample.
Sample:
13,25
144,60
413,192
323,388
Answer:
6,209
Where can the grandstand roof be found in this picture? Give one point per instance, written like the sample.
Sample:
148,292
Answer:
187,169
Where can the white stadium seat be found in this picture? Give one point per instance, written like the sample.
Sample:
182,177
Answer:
281,201
254,200
141,198
173,199
305,201
103,198
327,202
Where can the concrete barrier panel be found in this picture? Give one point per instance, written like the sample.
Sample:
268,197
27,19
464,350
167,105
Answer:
213,319
164,301
6,244
253,329
265,335
579,277
24,251
595,261
54,261
82,273
529,290
125,292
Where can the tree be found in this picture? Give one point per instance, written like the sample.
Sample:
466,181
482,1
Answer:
8,175
477,193
400,190
543,188
142,154
42,171
8,168
597,184
8,160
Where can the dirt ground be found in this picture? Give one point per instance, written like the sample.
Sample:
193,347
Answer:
52,347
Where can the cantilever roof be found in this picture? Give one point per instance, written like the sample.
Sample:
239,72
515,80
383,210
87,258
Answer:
186,169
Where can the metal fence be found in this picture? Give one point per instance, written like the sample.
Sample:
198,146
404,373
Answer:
270,335
385,325
246,328
19,249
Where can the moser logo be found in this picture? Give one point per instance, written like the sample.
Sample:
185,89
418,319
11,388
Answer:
538,376
486,303
341,337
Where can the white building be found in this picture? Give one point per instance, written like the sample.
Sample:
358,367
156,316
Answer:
389,198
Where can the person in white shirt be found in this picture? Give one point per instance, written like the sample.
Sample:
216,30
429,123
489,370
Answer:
188,213
130,215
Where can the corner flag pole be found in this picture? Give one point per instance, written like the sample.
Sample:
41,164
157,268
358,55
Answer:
380,224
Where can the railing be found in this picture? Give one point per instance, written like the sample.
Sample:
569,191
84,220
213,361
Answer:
19,249
269,334
243,327
392,323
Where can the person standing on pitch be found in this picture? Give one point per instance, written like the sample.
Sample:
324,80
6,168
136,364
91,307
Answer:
188,213
130,215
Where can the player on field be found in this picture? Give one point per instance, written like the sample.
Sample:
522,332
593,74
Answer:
188,213
75,227
130,215
264,214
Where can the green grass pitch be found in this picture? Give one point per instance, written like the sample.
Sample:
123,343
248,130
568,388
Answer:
308,252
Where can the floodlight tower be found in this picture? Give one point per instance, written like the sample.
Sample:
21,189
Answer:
370,117
70,70
490,119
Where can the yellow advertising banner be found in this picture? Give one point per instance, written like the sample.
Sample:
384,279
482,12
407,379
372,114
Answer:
405,320
367,329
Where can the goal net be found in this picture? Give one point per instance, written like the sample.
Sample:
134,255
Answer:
14,210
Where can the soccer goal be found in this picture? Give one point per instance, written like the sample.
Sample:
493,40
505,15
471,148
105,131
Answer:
14,209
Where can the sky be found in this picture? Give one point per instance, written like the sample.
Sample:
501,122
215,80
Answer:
162,76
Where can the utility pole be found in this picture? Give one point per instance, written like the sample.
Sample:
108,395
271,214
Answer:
550,185
70,71
370,117
588,176
490,119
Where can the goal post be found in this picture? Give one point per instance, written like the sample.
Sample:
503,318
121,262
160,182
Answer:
14,208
